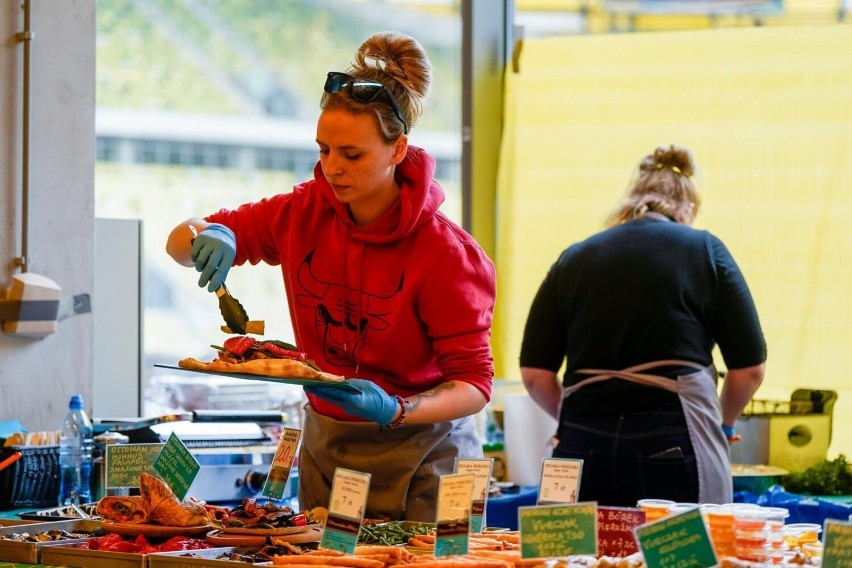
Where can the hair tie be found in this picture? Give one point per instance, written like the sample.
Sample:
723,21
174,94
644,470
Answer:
675,169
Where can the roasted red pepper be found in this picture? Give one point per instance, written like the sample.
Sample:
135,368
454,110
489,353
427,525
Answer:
175,543
281,352
239,345
123,546
299,520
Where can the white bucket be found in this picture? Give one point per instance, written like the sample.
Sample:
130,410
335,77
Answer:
527,431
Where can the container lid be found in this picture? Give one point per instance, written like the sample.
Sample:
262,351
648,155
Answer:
802,528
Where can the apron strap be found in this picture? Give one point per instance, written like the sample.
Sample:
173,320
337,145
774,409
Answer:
633,374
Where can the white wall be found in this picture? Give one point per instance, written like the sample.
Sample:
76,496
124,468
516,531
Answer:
38,376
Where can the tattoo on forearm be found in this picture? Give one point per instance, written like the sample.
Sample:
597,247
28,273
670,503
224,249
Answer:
414,401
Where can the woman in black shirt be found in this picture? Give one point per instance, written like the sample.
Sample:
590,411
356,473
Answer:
634,312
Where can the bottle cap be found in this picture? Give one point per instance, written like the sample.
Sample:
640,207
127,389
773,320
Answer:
76,402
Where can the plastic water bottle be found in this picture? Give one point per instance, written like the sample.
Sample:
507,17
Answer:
75,455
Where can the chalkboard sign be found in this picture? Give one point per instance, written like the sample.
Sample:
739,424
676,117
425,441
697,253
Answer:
177,466
126,462
680,540
558,530
838,545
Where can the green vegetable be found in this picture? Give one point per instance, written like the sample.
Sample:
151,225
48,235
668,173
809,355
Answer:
392,533
825,478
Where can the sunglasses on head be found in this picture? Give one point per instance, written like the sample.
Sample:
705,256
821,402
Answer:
362,90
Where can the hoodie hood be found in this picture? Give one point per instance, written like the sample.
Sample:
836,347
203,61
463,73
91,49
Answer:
420,197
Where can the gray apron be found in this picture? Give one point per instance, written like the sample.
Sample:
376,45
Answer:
404,464
703,412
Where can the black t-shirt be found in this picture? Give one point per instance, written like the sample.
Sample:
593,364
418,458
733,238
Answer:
642,291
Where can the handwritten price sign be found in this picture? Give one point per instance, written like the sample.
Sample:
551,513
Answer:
558,530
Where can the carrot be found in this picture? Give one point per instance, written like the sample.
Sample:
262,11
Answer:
317,560
324,552
514,537
512,556
308,560
458,562
355,562
391,551
276,562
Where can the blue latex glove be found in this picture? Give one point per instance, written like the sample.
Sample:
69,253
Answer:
730,433
371,402
213,252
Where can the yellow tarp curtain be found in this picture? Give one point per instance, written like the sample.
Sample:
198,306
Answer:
768,116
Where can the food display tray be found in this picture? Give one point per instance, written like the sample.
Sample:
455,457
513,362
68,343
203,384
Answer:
17,522
60,513
206,557
286,380
30,552
67,553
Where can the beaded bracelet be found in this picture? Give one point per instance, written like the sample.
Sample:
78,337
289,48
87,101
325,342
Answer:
404,406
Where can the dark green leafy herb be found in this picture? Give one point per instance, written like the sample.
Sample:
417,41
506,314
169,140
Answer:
825,478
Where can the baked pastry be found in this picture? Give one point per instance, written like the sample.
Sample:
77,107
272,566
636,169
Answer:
122,509
163,506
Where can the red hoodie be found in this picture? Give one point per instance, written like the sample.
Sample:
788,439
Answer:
406,302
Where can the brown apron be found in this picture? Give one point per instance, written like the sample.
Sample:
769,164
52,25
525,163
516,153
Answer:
703,412
404,464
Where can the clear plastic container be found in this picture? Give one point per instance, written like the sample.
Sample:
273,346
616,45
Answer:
655,509
720,528
812,550
720,517
750,517
775,519
798,534
750,539
679,508
776,555
754,554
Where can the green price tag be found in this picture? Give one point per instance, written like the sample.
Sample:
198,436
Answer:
676,542
558,530
126,462
177,466
837,548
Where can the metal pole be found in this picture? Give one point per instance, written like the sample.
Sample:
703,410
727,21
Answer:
26,37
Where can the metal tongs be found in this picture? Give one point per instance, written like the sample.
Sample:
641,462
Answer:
233,312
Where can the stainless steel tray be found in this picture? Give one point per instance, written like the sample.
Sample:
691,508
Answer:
60,513
207,557
16,522
30,552
68,554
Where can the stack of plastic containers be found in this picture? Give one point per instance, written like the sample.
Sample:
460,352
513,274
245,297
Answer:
751,536
803,538
747,531
720,527
775,519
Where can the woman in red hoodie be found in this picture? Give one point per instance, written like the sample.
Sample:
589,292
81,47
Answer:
382,288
